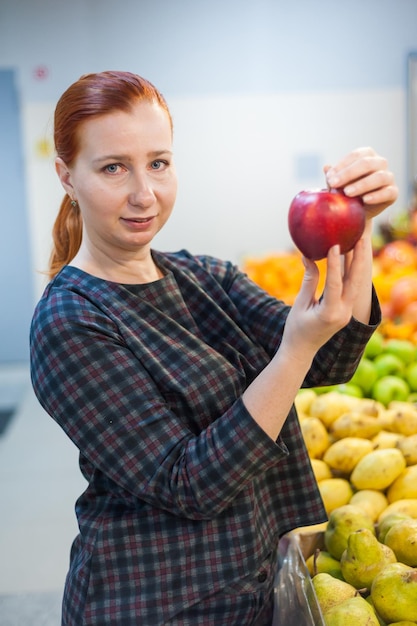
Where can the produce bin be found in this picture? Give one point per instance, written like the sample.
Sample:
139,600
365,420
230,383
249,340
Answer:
295,599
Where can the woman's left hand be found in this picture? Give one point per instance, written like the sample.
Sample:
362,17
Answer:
364,173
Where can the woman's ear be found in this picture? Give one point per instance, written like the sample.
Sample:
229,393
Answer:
64,176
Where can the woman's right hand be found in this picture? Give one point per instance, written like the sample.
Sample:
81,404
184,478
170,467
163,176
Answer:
314,321
311,322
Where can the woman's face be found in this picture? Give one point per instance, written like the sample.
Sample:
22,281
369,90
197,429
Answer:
123,178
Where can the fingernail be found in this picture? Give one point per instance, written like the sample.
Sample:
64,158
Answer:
350,190
333,181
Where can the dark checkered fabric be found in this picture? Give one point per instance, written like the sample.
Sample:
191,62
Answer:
186,493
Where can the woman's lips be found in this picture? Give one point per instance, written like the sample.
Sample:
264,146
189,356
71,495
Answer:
138,223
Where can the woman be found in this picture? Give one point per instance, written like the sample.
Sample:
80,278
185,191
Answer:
175,375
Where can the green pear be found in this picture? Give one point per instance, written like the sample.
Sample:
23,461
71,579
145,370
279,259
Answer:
402,539
351,612
394,593
322,561
331,591
364,558
342,522
404,622
380,620
387,522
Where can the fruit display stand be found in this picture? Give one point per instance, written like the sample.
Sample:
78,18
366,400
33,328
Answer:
295,599
361,436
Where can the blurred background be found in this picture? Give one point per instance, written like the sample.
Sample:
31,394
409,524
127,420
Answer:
263,93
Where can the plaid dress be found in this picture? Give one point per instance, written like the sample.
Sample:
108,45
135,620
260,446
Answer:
186,493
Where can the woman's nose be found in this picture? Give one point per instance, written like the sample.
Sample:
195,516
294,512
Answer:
141,193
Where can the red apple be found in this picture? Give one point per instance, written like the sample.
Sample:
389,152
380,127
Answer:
320,219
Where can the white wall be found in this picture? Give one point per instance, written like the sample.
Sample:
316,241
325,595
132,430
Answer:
238,162
263,93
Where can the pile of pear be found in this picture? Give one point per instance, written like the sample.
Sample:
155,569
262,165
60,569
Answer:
362,575
364,456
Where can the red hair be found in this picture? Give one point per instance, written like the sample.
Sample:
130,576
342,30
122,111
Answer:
91,96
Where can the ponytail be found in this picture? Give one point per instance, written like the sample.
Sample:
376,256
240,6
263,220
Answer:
66,234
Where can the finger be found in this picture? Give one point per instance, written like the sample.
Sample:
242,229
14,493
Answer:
326,168
333,283
353,156
347,262
384,196
354,272
307,293
348,172
376,180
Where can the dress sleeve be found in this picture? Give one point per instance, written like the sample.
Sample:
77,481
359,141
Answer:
264,318
91,383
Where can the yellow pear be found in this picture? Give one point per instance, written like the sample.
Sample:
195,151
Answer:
386,419
369,406
315,436
402,405
354,424
331,591
303,400
387,522
378,469
386,439
402,539
402,623
344,454
321,469
394,593
405,418
405,486
312,529
408,506
329,406
372,501
408,446
351,612
322,562
364,558
342,522
334,492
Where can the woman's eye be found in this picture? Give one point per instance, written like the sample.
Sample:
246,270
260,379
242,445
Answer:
113,168
158,165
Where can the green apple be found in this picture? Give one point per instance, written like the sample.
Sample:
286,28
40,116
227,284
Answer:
350,389
365,375
402,348
388,365
374,346
411,375
325,389
389,388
